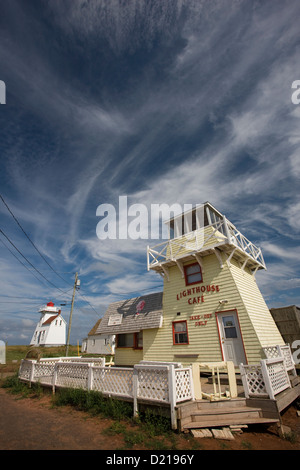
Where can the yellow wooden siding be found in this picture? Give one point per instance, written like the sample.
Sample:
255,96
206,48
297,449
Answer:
238,287
240,290
128,356
257,310
203,340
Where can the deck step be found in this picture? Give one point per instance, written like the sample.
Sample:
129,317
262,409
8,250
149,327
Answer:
226,413
227,421
221,411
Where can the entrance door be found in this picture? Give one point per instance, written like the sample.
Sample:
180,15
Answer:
231,338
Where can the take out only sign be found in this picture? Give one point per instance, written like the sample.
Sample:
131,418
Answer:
192,298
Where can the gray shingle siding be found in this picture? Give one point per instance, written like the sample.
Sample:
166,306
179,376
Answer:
150,316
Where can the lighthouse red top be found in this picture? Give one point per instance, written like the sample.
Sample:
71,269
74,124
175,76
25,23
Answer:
50,304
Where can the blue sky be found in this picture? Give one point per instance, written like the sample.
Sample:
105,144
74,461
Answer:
173,101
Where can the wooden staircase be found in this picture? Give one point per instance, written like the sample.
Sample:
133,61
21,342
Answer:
206,414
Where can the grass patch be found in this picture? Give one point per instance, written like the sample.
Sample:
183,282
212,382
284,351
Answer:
290,437
92,402
116,428
16,387
154,424
246,445
132,438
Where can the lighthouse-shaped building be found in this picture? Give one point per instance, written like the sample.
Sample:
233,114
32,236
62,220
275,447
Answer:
211,308
51,328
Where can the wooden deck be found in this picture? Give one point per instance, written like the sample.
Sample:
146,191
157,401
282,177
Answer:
209,414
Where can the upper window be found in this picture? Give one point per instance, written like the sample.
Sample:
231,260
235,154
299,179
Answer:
193,274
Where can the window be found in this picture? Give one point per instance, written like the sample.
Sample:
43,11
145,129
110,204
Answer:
139,340
126,340
229,327
193,274
130,340
180,333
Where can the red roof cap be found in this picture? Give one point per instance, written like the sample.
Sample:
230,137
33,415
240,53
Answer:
50,304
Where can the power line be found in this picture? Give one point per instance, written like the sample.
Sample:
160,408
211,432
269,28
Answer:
21,261
88,302
19,302
8,239
19,296
27,236
63,292
29,298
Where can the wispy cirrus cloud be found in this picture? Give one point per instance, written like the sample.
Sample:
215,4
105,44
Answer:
176,101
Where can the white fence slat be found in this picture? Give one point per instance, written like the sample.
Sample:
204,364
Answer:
135,392
172,395
253,381
275,376
90,378
270,377
282,351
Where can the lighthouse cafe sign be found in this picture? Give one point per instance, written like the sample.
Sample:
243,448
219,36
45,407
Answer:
195,295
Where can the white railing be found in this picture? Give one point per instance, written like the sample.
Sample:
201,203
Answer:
214,235
161,383
240,241
282,351
97,361
266,379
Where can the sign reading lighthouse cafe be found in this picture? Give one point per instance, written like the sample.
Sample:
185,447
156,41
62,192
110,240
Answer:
211,308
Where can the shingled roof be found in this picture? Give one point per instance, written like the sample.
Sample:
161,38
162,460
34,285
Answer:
133,315
94,329
50,320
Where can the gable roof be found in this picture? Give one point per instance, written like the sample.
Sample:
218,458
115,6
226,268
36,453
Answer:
94,329
133,315
50,320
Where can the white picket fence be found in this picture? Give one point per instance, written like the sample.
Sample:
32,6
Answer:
271,376
157,383
161,383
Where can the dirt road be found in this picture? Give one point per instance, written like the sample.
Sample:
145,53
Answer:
28,424
33,424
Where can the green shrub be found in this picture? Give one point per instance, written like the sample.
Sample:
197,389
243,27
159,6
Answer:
15,386
93,402
154,423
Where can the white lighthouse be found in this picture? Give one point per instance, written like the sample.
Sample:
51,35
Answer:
51,328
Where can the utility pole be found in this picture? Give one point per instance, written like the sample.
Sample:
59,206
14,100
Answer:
76,286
